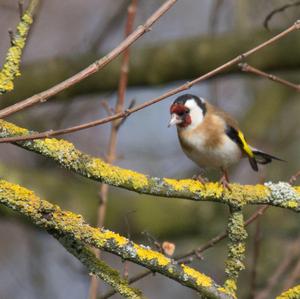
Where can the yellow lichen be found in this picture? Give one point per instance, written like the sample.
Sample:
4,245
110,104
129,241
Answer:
12,129
292,204
185,184
119,240
69,157
223,290
55,145
297,190
293,293
27,18
200,278
214,190
145,254
116,175
230,286
11,67
18,191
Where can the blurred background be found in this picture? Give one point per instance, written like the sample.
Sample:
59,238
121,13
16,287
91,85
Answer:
191,39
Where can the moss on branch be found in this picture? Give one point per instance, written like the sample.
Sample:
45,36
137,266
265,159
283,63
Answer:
72,227
64,153
11,67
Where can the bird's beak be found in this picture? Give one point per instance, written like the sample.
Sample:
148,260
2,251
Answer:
175,120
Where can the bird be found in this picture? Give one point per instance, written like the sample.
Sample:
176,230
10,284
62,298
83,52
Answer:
211,138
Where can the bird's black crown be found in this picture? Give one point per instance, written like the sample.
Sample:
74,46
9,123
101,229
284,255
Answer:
182,99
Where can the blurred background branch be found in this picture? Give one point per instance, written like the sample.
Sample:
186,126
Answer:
115,126
48,93
201,55
91,69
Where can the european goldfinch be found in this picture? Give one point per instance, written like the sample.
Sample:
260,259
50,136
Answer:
210,137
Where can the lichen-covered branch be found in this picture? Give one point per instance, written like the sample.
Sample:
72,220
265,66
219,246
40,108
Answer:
293,293
236,249
11,67
73,227
97,266
64,153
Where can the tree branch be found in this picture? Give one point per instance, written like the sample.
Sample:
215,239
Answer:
11,67
115,126
69,225
290,254
278,10
250,69
259,212
160,60
96,266
127,112
93,68
179,258
236,249
64,153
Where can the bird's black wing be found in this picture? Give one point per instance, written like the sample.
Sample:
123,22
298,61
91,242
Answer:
238,137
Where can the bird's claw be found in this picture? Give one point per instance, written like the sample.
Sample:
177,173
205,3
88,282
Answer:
225,183
200,178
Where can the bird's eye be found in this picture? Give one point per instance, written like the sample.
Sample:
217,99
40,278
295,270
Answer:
183,112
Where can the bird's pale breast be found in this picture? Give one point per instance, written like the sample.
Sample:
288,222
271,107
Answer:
209,146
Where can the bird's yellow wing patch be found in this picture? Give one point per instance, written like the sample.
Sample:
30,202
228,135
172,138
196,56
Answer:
245,145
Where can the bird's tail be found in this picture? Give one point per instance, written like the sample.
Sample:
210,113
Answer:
261,158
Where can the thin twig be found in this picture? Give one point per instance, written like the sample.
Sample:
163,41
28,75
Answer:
294,178
293,277
126,263
114,21
11,36
21,8
256,253
106,107
93,68
213,17
127,112
277,10
259,212
130,281
250,69
212,25
111,152
290,254
188,257
153,241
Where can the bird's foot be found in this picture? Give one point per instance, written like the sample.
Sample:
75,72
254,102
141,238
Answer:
203,180
225,182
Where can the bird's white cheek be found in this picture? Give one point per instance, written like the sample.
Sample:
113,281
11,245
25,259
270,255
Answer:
196,118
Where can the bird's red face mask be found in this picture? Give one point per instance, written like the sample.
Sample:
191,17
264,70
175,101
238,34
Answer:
180,115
